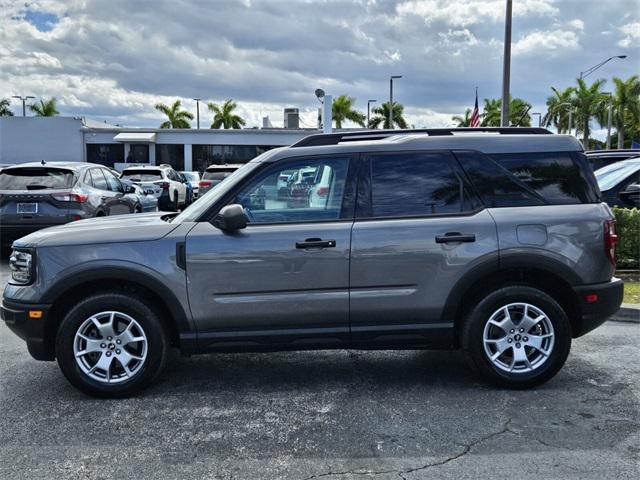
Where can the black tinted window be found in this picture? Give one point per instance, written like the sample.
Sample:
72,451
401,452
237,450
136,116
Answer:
35,179
416,184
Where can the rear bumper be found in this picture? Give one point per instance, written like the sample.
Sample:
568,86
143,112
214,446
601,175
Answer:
32,330
603,302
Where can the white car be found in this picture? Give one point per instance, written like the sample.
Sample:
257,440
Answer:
194,180
320,191
161,181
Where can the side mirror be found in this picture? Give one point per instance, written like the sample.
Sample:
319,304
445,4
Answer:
129,188
631,194
231,218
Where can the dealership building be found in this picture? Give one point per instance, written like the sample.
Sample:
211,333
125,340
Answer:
29,139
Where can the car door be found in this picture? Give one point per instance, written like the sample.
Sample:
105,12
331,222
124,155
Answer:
121,203
418,230
283,279
108,199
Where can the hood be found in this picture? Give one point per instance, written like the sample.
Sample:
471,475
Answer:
135,227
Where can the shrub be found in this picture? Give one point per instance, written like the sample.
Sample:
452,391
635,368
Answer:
628,230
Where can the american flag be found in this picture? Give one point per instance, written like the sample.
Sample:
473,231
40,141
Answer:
475,115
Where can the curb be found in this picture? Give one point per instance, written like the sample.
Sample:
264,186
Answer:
629,313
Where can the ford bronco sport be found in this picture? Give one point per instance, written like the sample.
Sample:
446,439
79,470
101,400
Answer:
493,241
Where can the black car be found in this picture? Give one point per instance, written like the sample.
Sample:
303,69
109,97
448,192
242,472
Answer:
620,183
602,158
39,195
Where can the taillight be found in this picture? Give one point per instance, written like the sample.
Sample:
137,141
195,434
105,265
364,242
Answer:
610,240
204,183
322,191
164,185
70,197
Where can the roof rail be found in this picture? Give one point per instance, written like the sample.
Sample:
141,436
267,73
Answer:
354,136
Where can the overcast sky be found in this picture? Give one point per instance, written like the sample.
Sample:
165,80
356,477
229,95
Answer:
113,60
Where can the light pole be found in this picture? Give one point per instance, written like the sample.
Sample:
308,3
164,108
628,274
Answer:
369,102
197,100
570,114
589,71
506,66
24,103
609,119
391,99
539,118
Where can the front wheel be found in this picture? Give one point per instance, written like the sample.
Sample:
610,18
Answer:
111,345
517,337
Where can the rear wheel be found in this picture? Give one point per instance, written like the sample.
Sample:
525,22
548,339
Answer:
517,337
175,206
111,345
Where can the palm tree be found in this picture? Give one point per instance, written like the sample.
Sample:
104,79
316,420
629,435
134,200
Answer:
176,118
491,115
626,105
557,111
342,109
224,116
45,108
463,121
4,108
589,103
382,116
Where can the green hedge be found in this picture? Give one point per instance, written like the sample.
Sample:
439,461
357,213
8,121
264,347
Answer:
628,230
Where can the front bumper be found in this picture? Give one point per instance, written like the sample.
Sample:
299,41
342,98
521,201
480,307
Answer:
32,330
597,303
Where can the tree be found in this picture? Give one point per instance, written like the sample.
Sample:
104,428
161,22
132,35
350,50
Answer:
176,118
224,116
382,116
463,121
589,103
342,109
491,114
626,106
4,108
45,108
558,110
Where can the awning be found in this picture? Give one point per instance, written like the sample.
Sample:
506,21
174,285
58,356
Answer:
135,137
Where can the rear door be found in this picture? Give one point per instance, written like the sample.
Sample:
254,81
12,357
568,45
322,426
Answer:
108,199
418,230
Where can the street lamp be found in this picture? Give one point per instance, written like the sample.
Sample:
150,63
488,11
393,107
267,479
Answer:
506,66
24,103
369,102
589,71
570,114
391,99
197,100
539,118
609,119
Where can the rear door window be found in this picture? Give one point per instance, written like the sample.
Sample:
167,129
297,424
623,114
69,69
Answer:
35,179
417,184
112,181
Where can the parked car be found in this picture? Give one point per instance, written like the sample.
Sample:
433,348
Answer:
194,180
39,195
620,183
147,202
498,245
189,187
602,158
214,174
320,191
5,165
162,181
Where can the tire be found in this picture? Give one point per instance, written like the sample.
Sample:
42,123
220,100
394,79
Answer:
143,349
550,334
137,209
175,206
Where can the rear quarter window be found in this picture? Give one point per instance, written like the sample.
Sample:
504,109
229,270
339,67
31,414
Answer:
35,179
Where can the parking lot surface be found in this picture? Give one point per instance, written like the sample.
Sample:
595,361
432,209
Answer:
337,414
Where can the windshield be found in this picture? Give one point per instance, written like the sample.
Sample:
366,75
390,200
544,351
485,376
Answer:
195,210
35,179
609,176
142,175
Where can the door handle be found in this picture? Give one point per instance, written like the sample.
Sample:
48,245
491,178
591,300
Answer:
316,243
455,237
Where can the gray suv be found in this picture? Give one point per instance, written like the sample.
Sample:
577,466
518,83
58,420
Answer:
495,242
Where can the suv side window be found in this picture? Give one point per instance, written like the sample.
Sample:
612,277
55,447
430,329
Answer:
417,184
112,181
98,180
314,192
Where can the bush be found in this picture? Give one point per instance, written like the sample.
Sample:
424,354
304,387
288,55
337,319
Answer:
628,230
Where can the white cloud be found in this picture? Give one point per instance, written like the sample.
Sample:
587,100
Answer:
549,42
631,35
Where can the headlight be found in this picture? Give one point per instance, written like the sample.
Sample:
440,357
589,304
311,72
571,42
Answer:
22,268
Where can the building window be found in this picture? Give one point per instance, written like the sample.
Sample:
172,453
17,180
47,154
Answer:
205,155
138,153
170,154
105,153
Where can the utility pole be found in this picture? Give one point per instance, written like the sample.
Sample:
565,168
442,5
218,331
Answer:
198,111
506,67
24,102
369,102
391,99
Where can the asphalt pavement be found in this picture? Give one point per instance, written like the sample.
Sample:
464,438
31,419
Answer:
331,415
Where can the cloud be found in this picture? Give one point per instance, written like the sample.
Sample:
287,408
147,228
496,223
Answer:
553,42
631,35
